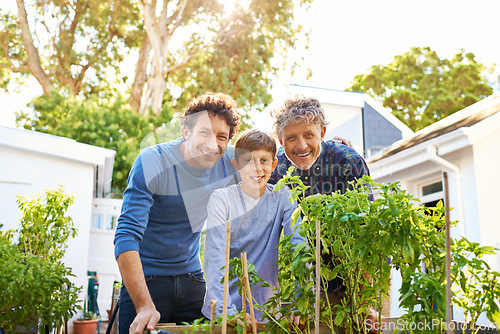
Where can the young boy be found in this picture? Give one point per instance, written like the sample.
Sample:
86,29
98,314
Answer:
257,213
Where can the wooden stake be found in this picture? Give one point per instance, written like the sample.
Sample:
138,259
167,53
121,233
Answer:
226,278
243,296
249,292
318,277
449,315
213,309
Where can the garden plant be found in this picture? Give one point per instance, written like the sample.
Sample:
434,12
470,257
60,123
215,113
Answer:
361,241
35,283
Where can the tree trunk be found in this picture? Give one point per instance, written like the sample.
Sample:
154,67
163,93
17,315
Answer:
159,34
140,75
34,64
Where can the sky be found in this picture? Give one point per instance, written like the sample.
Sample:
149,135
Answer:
348,37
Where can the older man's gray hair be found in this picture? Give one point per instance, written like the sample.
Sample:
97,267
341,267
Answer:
296,110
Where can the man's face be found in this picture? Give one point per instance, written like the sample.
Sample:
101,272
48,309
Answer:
206,142
302,143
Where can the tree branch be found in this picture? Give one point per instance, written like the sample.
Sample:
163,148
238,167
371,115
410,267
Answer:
32,52
152,33
179,65
16,69
140,74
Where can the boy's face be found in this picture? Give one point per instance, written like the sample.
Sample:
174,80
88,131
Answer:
255,168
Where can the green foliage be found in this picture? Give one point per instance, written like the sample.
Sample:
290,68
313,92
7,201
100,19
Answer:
12,51
477,287
79,42
95,121
82,46
421,88
236,270
35,283
360,241
44,226
239,54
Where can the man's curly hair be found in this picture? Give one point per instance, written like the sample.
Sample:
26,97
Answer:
219,104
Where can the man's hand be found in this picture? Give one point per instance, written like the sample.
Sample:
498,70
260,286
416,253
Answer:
295,321
133,277
247,324
372,323
342,140
146,318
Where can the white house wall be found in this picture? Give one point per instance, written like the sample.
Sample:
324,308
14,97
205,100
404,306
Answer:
464,159
345,121
486,163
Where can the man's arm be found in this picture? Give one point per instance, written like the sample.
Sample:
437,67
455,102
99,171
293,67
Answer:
133,279
133,220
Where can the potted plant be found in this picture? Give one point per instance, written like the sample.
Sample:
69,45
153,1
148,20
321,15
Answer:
87,323
35,283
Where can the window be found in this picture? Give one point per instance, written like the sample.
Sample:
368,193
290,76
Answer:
431,193
432,188
104,222
105,212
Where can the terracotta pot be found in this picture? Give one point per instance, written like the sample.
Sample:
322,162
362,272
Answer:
85,326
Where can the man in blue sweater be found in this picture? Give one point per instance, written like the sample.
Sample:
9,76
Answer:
164,208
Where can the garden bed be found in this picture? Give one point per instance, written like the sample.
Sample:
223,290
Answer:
392,325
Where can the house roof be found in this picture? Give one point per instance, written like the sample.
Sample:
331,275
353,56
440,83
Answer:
463,118
64,148
351,99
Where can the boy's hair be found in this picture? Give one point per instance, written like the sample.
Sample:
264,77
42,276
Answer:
219,104
252,140
296,110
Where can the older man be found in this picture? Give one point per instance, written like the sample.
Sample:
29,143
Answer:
324,166
164,207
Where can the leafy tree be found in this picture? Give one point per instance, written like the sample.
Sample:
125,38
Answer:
75,46
421,88
98,122
68,44
75,49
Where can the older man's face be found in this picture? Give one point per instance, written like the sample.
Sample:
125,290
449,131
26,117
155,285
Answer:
302,143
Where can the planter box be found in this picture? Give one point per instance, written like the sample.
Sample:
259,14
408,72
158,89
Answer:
392,325
181,329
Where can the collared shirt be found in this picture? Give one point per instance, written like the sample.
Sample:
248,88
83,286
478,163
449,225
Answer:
336,166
